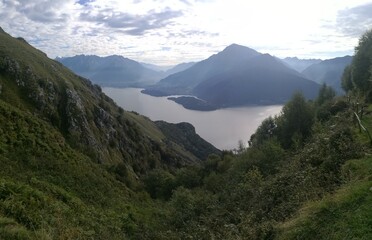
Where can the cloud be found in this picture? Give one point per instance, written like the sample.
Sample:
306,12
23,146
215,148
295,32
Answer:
38,10
129,23
353,22
84,2
186,2
191,33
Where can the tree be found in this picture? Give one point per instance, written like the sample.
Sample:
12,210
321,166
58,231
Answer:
358,76
159,184
362,62
295,122
326,94
346,80
264,132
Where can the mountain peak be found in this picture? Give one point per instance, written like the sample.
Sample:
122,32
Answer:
234,45
235,50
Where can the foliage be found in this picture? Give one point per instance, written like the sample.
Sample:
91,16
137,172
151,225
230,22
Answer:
345,214
358,76
326,93
346,80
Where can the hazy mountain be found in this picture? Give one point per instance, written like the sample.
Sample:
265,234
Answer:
300,64
236,76
179,68
261,80
328,71
156,68
184,82
112,71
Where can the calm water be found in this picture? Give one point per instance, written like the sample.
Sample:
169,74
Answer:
223,128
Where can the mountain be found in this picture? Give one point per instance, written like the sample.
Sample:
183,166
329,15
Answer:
112,71
69,155
328,71
184,82
234,77
261,80
300,64
156,68
179,68
169,70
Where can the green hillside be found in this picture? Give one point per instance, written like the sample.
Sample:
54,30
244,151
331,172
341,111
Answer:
72,160
76,166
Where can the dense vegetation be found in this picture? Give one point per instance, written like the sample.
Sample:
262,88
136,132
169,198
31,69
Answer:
307,173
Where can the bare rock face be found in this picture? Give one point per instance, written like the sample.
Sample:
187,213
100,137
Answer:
78,125
105,122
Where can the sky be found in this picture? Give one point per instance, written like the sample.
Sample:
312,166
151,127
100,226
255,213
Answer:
168,32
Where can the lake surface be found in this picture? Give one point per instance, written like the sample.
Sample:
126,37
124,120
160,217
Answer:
223,128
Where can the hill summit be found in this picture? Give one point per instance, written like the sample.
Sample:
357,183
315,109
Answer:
236,76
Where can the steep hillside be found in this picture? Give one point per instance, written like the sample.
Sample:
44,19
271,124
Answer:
328,72
236,76
184,135
72,159
112,71
89,121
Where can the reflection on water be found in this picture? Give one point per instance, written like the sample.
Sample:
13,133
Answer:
223,128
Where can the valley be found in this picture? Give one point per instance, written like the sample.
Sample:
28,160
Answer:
218,141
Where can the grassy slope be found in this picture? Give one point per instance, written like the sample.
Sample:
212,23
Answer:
344,214
50,191
44,183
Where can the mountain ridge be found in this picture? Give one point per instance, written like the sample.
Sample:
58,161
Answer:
329,72
112,71
236,68
300,64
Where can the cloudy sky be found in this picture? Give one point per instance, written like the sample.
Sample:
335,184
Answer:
167,32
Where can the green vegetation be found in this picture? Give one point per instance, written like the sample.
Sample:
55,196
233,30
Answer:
346,214
76,166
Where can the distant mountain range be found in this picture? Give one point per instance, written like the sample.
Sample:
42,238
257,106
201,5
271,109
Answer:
234,77
300,64
328,72
118,71
179,68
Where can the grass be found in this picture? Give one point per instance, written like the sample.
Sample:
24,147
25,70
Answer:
147,126
345,214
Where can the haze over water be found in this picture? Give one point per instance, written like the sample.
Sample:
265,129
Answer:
223,128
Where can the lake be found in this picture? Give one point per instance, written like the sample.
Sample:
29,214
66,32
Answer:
223,127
